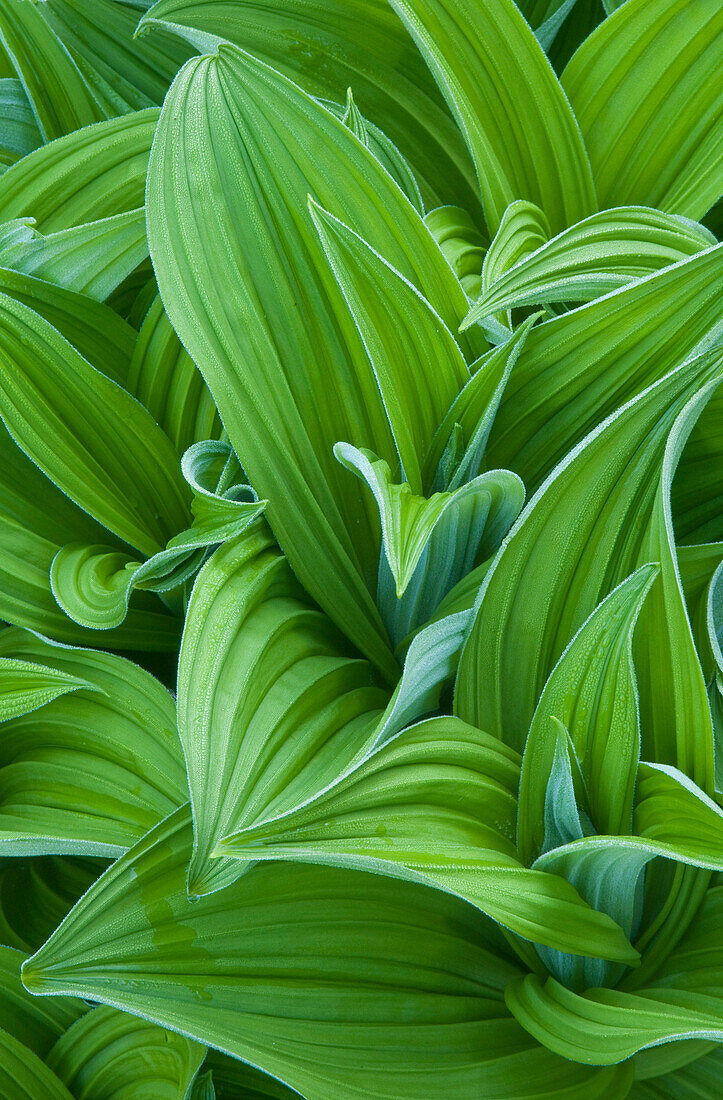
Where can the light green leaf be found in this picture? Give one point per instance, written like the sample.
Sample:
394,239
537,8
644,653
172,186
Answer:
446,535
600,254
523,229
578,537
347,1003
87,434
270,378
604,1026
592,691
644,91
25,686
59,96
19,133
109,1055
461,242
37,521
90,772
436,804
271,702
671,811
166,381
579,368
87,175
91,259
530,151
328,45
417,363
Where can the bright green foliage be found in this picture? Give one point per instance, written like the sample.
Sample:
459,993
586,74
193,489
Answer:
361,550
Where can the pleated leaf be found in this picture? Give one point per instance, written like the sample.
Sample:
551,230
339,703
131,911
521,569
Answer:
90,772
592,692
364,1009
529,149
19,133
578,537
644,90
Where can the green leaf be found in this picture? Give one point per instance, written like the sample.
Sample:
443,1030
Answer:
377,986
700,1077
600,254
90,174
417,363
87,434
19,133
604,1026
328,45
271,702
270,378
577,538
461,242
644,92
579,368
166,381
444,534
90,772
532,150
671,811
592,691
25,686
91,259
59,96
36,893
23,1076
34,1023
37,521
436,804
108,1055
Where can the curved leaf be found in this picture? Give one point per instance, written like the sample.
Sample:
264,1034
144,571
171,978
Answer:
461,242
644,91
36,893
328,45
107,1053
592,691
575,540
532,151
91,772
19,133
23,1076
34,1023
347,1003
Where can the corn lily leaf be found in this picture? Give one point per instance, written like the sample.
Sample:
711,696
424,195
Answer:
670,678
91,259
90,174
436,804
54,403
697,492
643,90
604,1026
546,17
535,153
36,893
430,544
461,242
92,775
600,254
25,686
23,1076
381,146
698,1074
299,37
19,133
572,544
576,369
282,704
231,1078
418,357
38,520
106,1053
34,1023
592,692
93,584
458,449
270,383
166,381
453,1022
38,57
